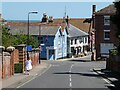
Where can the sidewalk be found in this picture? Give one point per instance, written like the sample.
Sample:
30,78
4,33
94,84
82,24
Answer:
18,79
112,77
84,58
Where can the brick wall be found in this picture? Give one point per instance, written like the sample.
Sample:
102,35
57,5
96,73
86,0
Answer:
8,63
6,66
99,34
34,58
16,56
9,59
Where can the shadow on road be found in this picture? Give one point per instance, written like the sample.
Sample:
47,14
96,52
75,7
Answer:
81,74
79,60
111,74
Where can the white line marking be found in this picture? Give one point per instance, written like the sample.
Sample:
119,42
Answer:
106,80
32,78
70,76
71,68
70,79
70,84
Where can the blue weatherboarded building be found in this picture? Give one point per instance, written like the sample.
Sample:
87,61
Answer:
53,42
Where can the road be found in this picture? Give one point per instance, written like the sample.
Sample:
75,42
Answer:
75,73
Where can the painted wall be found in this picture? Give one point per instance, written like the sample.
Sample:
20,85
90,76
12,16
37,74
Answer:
61,44
46,41
57,45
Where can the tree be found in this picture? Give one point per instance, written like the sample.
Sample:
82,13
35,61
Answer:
116,20
12,40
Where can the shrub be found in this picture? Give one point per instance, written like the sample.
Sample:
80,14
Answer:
18,68
114,52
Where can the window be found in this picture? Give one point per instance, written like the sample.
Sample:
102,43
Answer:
106,34
106,20
75,41
80,40
85,39
71,42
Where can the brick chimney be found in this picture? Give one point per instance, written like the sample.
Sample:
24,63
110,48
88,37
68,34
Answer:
44,18
93,15
67,20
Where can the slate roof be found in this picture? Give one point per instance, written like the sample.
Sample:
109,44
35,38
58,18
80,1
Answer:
49,30
77,22
75,32
45,29
107,10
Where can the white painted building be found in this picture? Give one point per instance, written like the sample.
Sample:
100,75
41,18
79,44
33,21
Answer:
77,41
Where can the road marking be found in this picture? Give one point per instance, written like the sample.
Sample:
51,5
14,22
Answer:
33,78
106,80
70,84
70,76
70,79
71,68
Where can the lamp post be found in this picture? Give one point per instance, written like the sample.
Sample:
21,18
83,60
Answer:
33,12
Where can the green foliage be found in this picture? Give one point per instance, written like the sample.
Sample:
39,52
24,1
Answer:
18,68
114,52
12,40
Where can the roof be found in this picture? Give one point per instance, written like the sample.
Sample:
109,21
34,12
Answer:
107,10
49,30
77,22
75,32
22,27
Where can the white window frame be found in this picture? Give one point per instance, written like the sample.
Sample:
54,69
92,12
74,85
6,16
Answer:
107,20
104,35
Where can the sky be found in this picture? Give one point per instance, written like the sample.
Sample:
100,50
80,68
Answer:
78,9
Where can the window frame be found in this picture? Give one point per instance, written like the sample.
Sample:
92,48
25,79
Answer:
106,38
106,20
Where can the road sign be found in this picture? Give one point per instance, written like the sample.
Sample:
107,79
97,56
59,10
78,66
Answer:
29,48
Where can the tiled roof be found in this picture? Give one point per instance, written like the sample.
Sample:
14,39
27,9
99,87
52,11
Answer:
107,10
77,22
22,27
74,32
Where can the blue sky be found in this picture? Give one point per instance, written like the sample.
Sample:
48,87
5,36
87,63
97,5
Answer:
19,10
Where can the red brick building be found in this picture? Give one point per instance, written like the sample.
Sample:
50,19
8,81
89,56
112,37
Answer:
105,31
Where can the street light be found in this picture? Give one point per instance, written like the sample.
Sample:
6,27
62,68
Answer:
33,12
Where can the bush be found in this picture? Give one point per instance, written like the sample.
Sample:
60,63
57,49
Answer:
18,68
114,52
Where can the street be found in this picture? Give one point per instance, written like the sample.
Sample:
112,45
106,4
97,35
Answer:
74,73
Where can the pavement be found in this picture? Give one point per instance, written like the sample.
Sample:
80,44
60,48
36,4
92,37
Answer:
17,80
113,78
